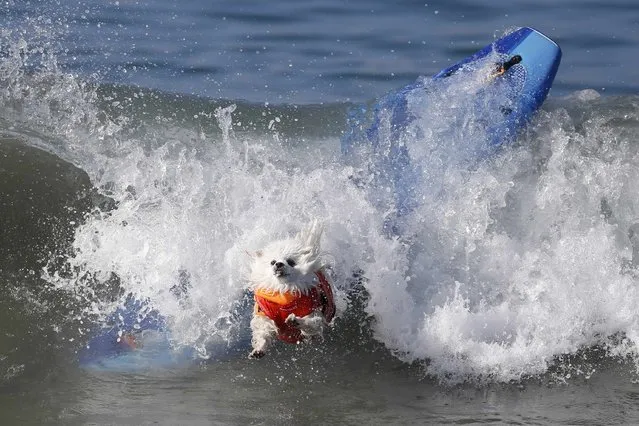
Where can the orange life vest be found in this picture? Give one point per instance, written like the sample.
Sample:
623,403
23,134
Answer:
279,305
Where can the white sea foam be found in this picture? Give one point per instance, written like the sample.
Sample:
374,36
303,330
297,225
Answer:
522,258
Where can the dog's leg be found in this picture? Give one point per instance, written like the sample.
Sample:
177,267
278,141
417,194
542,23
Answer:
264,331
310,325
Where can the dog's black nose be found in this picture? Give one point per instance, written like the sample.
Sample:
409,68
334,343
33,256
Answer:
279,264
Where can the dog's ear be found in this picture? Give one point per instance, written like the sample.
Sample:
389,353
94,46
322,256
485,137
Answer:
311,234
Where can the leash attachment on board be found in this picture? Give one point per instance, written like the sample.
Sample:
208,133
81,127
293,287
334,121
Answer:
504,67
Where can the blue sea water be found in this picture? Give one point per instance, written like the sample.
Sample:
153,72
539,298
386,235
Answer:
320,51
146,145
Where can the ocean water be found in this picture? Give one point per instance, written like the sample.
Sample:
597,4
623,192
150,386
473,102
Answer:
148,145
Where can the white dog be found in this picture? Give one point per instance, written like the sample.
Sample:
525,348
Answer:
293,296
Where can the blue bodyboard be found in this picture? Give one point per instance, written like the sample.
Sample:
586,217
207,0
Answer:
496,92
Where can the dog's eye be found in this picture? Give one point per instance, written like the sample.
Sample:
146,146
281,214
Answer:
272,262
291,262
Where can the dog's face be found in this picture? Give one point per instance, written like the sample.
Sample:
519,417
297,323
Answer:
284,259
283,268
287,265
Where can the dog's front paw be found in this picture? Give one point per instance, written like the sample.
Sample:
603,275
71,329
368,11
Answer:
292,320
256,354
